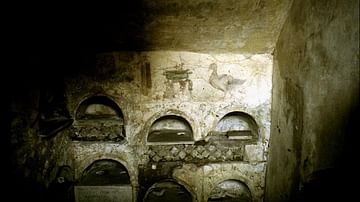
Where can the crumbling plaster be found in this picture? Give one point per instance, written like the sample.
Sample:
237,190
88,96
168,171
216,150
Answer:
197,104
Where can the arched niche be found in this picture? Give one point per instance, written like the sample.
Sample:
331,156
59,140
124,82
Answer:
236,126
105,172
99,118
104,180
99,107
230,191
170,129
167,190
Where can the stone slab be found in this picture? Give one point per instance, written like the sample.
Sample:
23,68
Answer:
103,193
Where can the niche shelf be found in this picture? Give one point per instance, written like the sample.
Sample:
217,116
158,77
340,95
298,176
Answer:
234,126
99,118
170,129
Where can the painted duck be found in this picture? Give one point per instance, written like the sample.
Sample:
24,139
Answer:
223,81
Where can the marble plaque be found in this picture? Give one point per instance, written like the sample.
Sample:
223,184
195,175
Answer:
103,193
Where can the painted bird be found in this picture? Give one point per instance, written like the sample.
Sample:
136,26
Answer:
222,82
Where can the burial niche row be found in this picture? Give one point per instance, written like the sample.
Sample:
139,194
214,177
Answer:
233,127
99,118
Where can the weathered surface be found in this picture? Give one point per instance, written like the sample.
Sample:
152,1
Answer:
192,98
227,26
315,96
250,26
103,193
205,178
35,159
180,89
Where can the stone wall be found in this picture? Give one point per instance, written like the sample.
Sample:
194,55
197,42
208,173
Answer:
35,159
315,100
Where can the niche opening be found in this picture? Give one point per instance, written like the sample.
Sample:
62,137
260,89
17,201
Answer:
99,107
99,118
167,190
170,129
104,180
230,191
105,172
235,126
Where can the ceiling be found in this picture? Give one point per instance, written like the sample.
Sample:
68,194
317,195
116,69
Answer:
62,39
242,26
